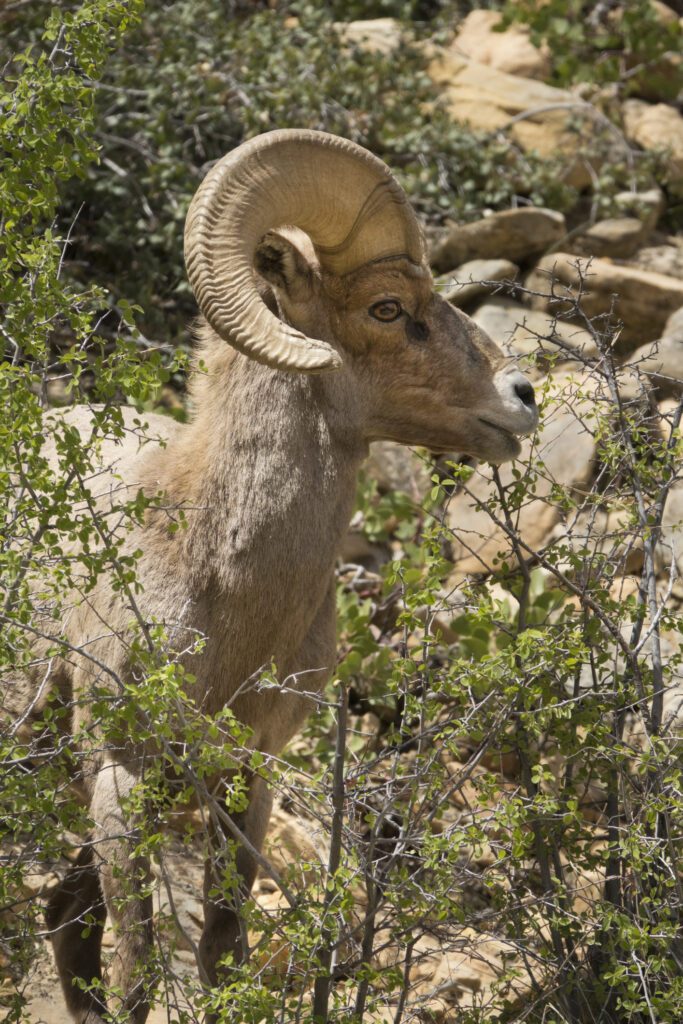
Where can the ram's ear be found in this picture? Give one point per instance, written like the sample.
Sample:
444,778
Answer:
286,260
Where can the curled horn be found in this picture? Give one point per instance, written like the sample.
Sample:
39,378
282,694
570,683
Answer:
342,196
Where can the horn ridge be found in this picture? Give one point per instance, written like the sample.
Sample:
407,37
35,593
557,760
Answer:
314,181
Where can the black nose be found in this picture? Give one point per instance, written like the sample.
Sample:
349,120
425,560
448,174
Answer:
525,392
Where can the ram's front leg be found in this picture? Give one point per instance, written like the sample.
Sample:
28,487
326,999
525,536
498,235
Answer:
229,874
124,877
224,928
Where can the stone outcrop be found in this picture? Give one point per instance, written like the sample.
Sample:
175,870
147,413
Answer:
614,237
475,279
515,235
658,127
641,299
376,35
566,448
662,362
511,51
521,331
646,206
539,117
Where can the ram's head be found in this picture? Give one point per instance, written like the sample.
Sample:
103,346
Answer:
326,225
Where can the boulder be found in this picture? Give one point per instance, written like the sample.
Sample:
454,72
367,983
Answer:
564,444
641,299
673,328
661,259
474,279
376,35
658,127
514,235
647,206
662,362
539,117
294,843
660,79
614,237
523,331
397,468
671,543
511,51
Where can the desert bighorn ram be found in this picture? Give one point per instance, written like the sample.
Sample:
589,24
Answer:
307,260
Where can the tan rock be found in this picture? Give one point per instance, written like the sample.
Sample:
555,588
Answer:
538,116
293,844
615,237
664,12
523,331
565,446
636,733
469,974
671,544
673,328
658,127
511,234
664,259
511,51
662,362
396,468
376,35
647,206
642,300
474,279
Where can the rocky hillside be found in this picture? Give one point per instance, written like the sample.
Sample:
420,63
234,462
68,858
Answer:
514,681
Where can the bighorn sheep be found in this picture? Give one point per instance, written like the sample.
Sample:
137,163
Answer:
307,260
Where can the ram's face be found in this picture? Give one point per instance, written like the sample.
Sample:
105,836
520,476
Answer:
425,373
432,377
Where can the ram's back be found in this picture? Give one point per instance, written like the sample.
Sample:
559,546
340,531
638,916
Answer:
48,676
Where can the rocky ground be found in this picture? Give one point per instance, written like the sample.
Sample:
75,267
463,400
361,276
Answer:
498,270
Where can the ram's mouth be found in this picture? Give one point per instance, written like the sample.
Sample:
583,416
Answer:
497,426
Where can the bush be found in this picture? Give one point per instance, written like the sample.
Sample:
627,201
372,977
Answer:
561,873
194,80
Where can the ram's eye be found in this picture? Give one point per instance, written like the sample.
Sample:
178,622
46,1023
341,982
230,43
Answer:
386,310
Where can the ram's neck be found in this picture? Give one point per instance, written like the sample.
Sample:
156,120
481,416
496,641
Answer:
267,470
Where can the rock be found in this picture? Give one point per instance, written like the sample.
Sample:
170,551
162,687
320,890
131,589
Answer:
665,14
566,447
471,973
474,278
488,100
670,547
293,844
376,35
642,300
658,127
615,236
511,51
523,331
647,206
356,549
511,234
397,468
606,533
636,733
661,259
673,328
662,361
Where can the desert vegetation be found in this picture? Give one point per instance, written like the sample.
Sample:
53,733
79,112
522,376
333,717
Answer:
481,820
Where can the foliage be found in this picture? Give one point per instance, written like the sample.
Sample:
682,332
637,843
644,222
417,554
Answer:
495,768
193,81
600,42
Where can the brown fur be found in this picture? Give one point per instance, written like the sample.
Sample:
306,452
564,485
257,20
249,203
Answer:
266,471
